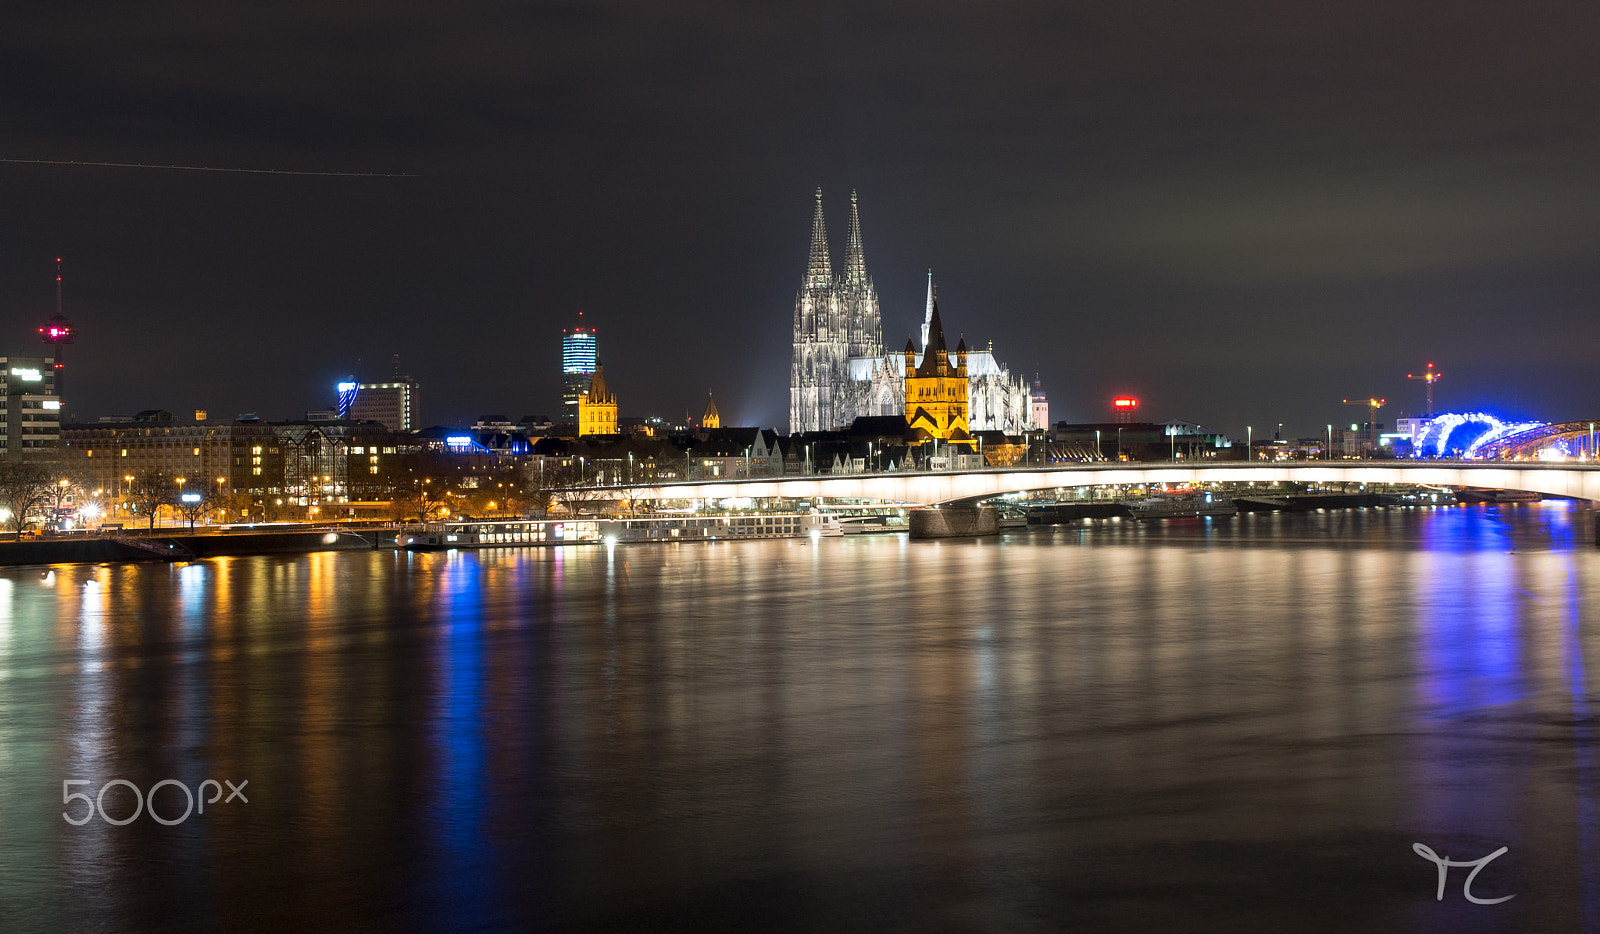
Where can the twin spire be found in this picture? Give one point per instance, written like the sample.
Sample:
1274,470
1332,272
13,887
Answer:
819,272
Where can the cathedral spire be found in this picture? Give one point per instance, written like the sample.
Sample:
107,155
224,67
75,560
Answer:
927,314
819,273
855,261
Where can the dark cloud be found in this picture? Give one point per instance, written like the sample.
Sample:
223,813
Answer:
1243,211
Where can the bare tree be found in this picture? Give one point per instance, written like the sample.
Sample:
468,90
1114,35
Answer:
422,500
573,485
25,486
151,490
196,504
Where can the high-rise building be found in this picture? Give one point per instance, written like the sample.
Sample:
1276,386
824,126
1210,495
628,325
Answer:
1039,407
579,354
393,404
840,370
936,388
597,408
29,405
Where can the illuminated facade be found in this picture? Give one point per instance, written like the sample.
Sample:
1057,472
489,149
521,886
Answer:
29,405
579,353
835,323
1038,406
711,419
348,390
840,370
392,404
597,408
936,389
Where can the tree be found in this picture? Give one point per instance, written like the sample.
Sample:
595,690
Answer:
573,485
151,490
422,500
195,504
25,486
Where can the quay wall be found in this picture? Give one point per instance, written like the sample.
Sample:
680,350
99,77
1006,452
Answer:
108,549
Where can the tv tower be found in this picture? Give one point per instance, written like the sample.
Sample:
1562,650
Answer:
59,331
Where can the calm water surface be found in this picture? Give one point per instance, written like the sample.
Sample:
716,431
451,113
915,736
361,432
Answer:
1241,724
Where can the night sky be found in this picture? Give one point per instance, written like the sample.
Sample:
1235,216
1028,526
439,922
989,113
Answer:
1240,212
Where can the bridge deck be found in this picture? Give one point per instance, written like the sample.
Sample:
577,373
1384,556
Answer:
1578,481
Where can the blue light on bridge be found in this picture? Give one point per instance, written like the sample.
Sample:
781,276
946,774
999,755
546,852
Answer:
1465,433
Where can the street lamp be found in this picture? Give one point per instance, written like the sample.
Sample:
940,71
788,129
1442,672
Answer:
1329,455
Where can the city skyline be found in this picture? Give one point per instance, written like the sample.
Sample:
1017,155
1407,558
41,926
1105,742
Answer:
1318,206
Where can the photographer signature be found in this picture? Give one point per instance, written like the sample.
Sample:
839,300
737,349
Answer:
1444,863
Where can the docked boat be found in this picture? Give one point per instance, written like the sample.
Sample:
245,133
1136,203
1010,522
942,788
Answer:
869,525
1475,495
1180,506
694,528
441,536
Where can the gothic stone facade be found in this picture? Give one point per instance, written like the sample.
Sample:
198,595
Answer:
840,370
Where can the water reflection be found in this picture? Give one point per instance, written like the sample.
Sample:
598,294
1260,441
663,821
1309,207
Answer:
1108,725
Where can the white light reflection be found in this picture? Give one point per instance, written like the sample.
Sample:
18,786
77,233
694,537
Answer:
5,616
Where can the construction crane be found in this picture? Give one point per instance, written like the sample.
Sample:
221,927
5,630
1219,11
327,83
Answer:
1430,377
1373,404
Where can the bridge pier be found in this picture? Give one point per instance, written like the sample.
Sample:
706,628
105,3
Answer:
955,522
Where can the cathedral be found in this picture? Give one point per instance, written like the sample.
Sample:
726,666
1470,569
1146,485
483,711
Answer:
841,371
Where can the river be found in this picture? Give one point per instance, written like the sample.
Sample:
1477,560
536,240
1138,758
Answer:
1205,725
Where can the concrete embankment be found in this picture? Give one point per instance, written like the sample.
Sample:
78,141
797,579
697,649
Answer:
160,547
954,522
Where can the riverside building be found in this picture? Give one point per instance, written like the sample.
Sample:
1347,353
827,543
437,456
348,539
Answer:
29,405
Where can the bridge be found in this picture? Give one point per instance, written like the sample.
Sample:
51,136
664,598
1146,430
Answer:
1578,481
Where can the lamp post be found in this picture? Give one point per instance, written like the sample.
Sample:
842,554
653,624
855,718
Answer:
1097,452
1329,455
1249,443
1119,444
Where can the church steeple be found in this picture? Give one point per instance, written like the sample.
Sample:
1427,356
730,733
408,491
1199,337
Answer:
936,351
597,408
927,313
711,419
819,272
855,260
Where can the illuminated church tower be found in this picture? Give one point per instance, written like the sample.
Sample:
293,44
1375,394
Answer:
597,408
936,389
711,419
835,319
